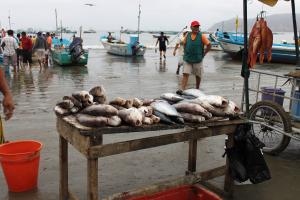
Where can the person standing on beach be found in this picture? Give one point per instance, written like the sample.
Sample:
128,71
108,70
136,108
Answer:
194,53
216,34
20,51
3,33
48,47
27,46
181,50
40,46
10,46
162,44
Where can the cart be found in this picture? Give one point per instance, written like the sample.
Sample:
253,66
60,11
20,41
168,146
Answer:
271,123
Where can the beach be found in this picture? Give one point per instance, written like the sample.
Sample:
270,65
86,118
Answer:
35,94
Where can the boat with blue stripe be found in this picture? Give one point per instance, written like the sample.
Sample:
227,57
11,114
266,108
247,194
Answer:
232,42
118,47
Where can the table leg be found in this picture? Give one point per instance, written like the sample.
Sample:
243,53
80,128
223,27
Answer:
63,169
229,181
192,155
92,181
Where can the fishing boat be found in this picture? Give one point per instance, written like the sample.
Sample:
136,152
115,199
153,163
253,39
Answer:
215,46
91,30
232,42
69,31
118,47
63,55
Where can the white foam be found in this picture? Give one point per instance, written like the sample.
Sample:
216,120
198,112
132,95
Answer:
93,47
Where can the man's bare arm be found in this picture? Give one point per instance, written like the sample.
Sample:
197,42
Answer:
8,103
176,47
207,49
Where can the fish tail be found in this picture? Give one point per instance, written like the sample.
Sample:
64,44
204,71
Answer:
253,60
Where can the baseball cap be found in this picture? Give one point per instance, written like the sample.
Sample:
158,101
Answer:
195,23
44,33
39,33
186,30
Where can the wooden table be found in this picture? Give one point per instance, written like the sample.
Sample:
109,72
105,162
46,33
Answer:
88,141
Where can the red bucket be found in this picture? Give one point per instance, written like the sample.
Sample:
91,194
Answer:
20,163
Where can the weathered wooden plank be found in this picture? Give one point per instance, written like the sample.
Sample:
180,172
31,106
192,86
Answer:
216,189
209,174
87,131
229,181
72,135
92,179
63,168
192,155
144,143
72,196
96,140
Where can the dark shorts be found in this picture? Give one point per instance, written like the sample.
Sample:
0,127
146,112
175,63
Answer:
162,48
27,56
19,53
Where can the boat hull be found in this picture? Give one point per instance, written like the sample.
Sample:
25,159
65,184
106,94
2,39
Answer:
280,53
121,49
62,58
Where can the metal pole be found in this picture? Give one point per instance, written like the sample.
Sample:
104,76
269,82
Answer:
139,23
245,58
61,29
56,29
295,34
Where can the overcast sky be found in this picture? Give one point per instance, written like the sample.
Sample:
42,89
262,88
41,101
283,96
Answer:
111,15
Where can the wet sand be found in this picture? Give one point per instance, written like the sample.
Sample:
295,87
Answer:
35,94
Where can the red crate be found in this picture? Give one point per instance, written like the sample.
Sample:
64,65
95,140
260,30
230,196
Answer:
186,192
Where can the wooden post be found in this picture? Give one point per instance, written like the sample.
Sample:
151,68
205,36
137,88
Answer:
192,155
92,180
229,181
63,168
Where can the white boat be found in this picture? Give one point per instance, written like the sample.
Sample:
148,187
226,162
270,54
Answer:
90,31
120,48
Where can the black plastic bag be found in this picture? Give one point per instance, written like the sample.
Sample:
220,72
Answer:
237,169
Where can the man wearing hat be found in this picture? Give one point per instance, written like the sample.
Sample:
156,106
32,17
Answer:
162,44
40,47
194,53
181,50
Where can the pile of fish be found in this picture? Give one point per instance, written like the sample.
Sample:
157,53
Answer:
260,40
92,108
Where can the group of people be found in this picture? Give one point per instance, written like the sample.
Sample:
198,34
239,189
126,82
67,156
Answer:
19,49
191,53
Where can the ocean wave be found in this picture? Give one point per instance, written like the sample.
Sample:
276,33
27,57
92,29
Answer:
93,46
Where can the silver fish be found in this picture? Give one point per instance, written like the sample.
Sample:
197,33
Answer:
190,108
223,112
171,97
118,101
130,117
92,121
137,103
62,111
192,118
65,104
81,95
204,104
75,101
193,92
215,100
165,108
148,120
97,91
233,106
114,121
100,110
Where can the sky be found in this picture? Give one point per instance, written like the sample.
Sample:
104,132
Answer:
111,15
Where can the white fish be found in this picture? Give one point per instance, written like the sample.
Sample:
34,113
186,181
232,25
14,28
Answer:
223,112
171,97
192,118
165,108
193,92
190,108
147,110
204,104
215,100
114,121
148,120
233,106
140,115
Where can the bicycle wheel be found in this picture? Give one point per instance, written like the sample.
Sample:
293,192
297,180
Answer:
273,115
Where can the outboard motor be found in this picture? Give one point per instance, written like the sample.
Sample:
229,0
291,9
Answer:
75,50
135,47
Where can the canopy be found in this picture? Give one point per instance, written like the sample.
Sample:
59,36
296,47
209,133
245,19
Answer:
270,2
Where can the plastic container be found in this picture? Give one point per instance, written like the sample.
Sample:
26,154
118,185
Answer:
186,192
278,100
296,106
133,37
20,163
